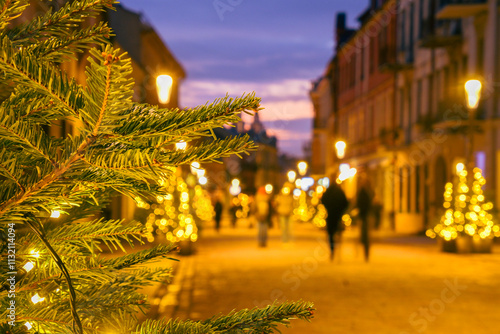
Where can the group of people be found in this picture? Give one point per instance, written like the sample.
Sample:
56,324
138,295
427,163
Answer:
264,206
336,204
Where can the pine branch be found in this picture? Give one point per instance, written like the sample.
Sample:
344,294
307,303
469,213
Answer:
77,325
159,251
109,90
21,66
173,327
9,10
59,23
255,321
151,163
262,320
57,49
144,122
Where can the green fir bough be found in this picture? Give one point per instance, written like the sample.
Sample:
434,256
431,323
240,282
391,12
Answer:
63,284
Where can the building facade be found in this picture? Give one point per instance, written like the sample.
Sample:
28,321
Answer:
399,102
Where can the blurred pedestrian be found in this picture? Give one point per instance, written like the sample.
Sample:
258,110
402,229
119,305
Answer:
233,210
261,214
364,198
218,211
335,203
284,208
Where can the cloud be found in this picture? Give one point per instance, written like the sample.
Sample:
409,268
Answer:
283,99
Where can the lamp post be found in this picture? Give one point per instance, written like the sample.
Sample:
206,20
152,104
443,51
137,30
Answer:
473,92
164,85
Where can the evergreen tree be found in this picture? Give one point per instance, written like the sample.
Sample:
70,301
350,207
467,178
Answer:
53,278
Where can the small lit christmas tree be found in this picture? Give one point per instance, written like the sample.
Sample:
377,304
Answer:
466,212
178,213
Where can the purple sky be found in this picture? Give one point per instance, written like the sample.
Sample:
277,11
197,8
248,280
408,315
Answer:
275,48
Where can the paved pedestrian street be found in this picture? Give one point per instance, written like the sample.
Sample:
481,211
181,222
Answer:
408,286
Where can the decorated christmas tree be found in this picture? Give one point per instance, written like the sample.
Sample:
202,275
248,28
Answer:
177,214
54,279
466,211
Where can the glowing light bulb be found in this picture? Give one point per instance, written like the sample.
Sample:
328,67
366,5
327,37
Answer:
28,266
37,299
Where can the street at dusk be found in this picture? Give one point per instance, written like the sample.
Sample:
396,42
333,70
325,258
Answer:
232,166
409,286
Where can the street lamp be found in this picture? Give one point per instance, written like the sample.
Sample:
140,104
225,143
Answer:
302,166
235,188
340,148
473,91
164,88
291,176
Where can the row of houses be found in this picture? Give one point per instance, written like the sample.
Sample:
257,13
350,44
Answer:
394,93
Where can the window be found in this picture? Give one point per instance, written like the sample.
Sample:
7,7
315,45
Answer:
362,61
402,30
372,54
401,190
419,99
417,189
408,189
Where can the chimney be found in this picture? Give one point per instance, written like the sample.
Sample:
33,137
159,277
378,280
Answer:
340,26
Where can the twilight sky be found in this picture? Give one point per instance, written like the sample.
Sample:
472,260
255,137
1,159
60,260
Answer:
275,48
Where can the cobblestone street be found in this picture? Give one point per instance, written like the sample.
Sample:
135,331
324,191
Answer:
408,286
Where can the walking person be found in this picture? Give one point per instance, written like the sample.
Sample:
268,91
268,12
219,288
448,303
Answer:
261,214
364,198
284,208
218,211
335,203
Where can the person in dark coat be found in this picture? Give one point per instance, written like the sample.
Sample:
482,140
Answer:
335,203
218,213
364,200
218,207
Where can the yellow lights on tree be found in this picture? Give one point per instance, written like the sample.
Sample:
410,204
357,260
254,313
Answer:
473,90
181,145
164,85
291,176
35,253
302,166
55,214
28,266
200,172
340,148
269,188
37,299
466,212
195,165
203,180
